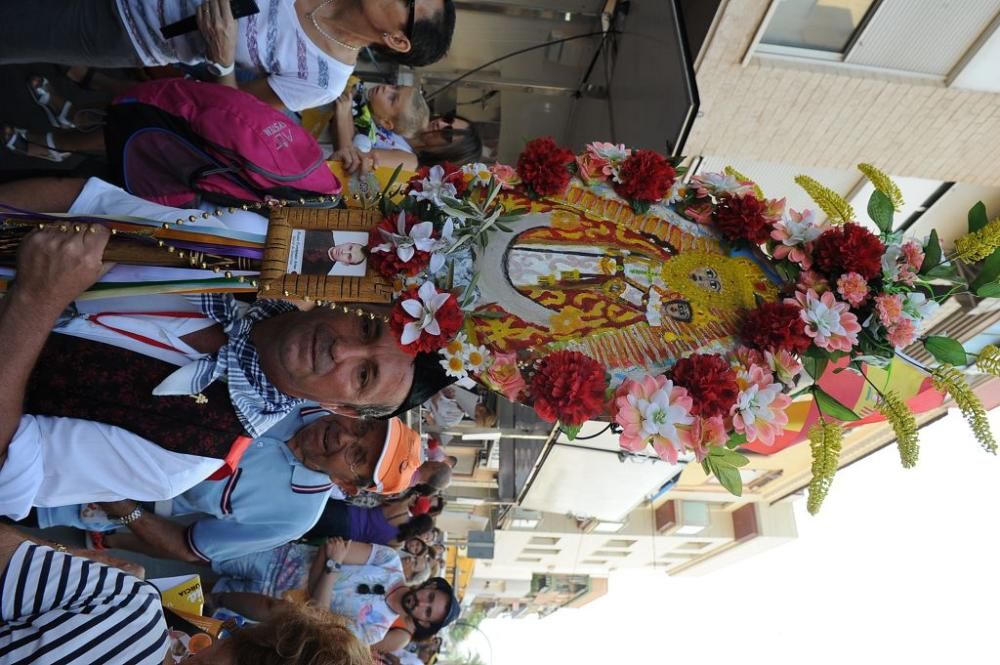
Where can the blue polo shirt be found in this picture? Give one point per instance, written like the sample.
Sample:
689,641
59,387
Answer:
271,499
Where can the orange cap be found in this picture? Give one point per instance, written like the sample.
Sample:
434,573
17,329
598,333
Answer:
399,459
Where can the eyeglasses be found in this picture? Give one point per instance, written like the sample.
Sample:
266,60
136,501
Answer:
365,590
409,19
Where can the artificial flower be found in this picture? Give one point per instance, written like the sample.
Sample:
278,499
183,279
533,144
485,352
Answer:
719,184
645,176
975,247
454,365
544,167
590,167
628,401
833,204
665,418
746,356
884,184
902,333
949,380
425,320
434,183
505,377
476,358
848,248
785,367
853,288
913,253
505,175
706,432
743,219
709,380
824,442
796,232
401,244
918,307
889,308
759,411
988,360
477,174
904,426
568,386
773,326
828,321
677,193
896,266
810,279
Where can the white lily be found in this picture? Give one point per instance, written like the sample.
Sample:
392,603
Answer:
424,309
433,187
404,243
441,247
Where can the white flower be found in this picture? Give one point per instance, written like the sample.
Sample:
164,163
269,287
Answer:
480,173
660,416
890,262
477,358
918,308
653,316
718,184
424,310
612,152
677,192
438,251
420,237
454,365
800,227
434,187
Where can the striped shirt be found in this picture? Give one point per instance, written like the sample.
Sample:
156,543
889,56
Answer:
58,608
270,43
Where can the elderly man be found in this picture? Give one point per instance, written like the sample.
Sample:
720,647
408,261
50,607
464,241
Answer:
276,495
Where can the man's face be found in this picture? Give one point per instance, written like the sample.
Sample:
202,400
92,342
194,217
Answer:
333,358
347,449
706,278
351,253
426,606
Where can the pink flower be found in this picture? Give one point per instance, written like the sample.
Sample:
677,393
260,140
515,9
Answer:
853,288
890,309
609,156
654,410
810,279
746,357
700,213
760,410
504,376
902,333
505,175
914,255
628,414
828,321
784,365
590,167
707,432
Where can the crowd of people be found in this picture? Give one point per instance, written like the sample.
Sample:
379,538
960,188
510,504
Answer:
264,441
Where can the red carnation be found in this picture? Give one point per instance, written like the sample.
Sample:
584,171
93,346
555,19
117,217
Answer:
710,381
448,315
569,387
774,326
743,218
452,175
544,166
646,176
383,254
848,248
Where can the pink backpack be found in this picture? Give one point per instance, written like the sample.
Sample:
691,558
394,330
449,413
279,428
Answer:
178,142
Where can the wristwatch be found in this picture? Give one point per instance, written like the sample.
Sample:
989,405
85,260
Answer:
332,566
220,70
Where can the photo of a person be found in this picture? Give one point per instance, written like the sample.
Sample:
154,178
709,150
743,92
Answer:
335,253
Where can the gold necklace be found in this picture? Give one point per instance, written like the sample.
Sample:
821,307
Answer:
312,17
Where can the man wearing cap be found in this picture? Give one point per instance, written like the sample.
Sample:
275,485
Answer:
277,493
362,582
242,369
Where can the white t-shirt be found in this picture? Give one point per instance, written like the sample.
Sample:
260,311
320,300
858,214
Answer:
271,43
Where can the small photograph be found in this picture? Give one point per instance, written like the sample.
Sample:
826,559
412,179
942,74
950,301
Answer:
335,253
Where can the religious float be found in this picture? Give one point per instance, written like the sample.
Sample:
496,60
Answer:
696,315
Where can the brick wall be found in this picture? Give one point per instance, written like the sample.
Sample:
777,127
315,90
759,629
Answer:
830,116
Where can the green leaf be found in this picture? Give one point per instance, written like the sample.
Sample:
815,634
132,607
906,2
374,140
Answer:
814,364
706,468
991,290
570,430
977,217
391,181
880,209
989,272
736,440
640,207
945,350
943,271
730,478
932,253
831,406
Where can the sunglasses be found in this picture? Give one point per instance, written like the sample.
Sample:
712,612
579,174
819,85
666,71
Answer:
410,18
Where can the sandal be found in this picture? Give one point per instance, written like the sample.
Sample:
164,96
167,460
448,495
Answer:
41,92
16,140
95,540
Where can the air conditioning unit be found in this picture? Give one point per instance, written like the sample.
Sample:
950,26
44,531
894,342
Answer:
481,545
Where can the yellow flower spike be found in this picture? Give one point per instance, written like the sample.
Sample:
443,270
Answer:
989,360
977,246
758,192
884,184
950,380
833,204
824,441
904,425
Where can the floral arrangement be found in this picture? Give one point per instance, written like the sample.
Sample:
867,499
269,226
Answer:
852,294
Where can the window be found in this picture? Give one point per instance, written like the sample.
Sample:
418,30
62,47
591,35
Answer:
528,559
539,550
619,542
595,562
608,527
612,553
693,545
815,25
543,540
